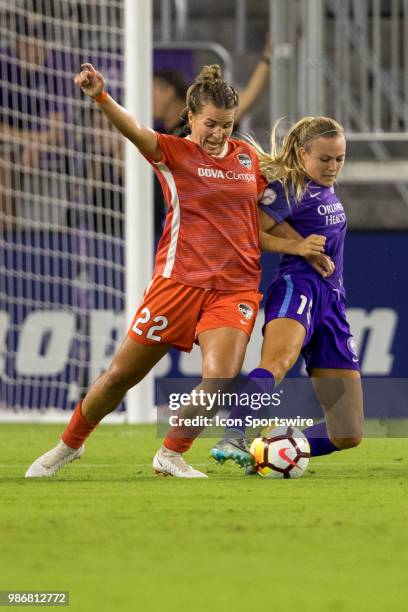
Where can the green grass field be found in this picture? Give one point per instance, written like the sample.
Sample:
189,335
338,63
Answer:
120,539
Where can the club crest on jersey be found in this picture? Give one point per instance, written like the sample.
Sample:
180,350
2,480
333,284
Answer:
269,196
245,160
246,311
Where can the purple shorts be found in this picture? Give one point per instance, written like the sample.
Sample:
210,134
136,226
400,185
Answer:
321,310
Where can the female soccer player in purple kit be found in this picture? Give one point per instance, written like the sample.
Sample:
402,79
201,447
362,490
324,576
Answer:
305,312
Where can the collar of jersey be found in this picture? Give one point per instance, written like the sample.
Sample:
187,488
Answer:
312,185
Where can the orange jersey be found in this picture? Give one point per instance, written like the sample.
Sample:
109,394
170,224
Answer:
211,234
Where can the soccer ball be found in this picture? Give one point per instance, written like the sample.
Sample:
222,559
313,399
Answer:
281,452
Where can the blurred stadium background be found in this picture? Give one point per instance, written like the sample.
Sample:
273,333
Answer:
66,188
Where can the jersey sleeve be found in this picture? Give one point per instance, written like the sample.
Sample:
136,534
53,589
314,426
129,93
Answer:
163,140
275,203
173,149
168,148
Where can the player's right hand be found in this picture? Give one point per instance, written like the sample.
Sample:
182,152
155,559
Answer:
90,81
312,245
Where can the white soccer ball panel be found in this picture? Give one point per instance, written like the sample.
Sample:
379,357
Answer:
282,453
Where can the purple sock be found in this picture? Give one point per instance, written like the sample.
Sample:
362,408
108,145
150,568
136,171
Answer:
258,381
318,439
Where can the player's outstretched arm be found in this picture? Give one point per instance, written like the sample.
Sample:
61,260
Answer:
92,84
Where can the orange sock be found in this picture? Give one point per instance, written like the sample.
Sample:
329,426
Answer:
177,440
78,429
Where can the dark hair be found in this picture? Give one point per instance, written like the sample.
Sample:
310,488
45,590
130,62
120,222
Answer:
175,79
209,87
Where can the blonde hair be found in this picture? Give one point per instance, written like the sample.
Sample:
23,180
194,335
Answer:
284,163
209,87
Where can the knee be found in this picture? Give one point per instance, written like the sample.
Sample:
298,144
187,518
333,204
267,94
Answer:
344,443
279,366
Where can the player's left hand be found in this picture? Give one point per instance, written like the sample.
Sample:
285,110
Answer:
322,264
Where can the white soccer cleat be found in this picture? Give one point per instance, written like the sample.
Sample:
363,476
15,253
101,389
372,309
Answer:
52,461
171,463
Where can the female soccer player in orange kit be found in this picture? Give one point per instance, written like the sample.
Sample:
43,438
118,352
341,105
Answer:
207,264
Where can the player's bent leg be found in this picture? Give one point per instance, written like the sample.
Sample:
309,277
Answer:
223,351
340,394
283,339
223,355
131,363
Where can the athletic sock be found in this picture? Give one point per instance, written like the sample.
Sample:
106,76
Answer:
177,444
257,381
179,439
319,441
78,429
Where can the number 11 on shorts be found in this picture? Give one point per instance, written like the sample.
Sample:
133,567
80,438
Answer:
303,303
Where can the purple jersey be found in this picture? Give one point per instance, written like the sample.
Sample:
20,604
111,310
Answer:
318,212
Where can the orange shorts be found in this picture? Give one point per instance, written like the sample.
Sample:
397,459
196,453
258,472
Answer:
175,314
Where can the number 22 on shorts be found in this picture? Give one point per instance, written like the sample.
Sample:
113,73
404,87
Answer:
161,323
